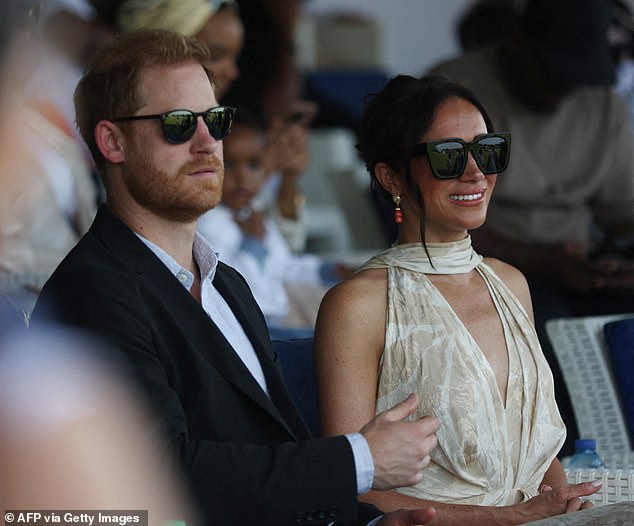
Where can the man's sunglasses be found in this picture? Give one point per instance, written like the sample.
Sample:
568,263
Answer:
448,157
180,125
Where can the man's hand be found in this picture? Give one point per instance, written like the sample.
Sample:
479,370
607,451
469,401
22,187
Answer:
400,449
408,517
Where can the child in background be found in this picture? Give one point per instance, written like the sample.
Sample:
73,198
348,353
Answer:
287,286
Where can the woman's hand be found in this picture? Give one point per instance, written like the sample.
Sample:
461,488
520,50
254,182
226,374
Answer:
564,499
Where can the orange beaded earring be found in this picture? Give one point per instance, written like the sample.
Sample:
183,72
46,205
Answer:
398,214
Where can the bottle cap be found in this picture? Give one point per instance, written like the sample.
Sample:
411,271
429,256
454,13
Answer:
582,444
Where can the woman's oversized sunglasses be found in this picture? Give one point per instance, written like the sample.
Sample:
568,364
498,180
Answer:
179,126
448,157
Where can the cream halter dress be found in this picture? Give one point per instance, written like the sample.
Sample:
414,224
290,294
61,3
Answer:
488,453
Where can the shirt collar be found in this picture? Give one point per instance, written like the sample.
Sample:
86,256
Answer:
204,254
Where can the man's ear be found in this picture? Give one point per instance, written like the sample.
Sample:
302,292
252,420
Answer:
389,180
110,141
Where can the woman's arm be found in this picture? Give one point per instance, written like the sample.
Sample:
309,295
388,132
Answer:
349,341
349,338
555,476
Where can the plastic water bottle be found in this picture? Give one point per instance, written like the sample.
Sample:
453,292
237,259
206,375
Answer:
586,456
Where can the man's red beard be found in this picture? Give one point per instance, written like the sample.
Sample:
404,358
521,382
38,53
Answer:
182,197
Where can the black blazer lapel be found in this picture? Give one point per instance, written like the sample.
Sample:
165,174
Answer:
205,335
257,332
202,332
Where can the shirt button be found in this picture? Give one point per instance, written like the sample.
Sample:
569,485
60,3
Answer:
184,278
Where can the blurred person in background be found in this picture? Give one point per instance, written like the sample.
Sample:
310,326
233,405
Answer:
74,435
272,85
50,198
621,40
564,211
270,82
287,286
484,22
217,23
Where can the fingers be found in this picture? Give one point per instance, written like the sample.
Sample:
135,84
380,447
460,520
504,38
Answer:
400,449
573,494
582,490
578,504
587,505
402,410
589,488
574,505
430,424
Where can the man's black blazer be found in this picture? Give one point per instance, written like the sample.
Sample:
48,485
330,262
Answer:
250,459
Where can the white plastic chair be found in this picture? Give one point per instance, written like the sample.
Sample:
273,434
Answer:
581,351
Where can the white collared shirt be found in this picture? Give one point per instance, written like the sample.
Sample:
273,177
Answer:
212,301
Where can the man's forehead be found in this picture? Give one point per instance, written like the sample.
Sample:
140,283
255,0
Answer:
187,81
159,70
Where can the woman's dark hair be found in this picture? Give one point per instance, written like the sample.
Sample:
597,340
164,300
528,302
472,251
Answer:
395,119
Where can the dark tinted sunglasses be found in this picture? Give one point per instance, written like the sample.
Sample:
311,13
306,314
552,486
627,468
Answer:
179,126
448,157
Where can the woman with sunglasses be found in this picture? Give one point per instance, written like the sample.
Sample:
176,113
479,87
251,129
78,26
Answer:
429,315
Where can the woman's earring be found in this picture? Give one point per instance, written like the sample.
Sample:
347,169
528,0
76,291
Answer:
398,214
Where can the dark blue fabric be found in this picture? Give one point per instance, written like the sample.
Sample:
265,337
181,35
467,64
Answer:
619,336
345,89
296,358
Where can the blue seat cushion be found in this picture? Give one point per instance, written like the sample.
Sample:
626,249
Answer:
296,359
619,336
345,88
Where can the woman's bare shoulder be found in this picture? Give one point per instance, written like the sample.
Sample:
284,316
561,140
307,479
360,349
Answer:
513,279
349,340
504,270
366,285
361,298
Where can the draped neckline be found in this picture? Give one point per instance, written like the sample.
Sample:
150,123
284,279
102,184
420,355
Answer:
456,257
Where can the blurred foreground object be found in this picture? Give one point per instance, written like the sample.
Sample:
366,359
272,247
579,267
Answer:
74,435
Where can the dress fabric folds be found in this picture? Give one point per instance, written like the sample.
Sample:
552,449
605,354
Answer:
491,451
